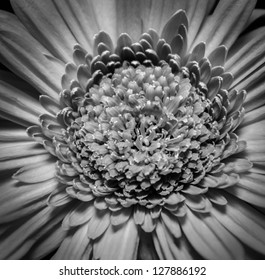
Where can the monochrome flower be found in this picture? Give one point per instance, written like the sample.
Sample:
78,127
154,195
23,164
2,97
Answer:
132,130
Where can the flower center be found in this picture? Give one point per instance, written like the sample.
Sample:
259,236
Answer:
143,133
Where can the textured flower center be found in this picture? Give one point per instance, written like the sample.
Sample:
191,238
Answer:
143,133
142,126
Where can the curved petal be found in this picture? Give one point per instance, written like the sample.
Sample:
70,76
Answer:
254,86
81,18
197,14
76,246
250,188
18,106
45,23
253,131
35,173
118,243
225,24
47,244
204,237
26,57
22,234
242,220
246,56
16,150
20,200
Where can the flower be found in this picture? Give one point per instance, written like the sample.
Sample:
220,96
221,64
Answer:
132,129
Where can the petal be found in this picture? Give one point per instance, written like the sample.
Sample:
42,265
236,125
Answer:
180,248
45,23
242,220
14,150
246,55
161,242
170,30
36,172
196,15
253,116
146,249
171,223
160,11
253,131
76,246
21,235
106,18
26,160
121,216
18,106
118,243
225,24
98,224
19,200
22,54
130,15
251,188
203,238
81,19
13,134
79,215
47,244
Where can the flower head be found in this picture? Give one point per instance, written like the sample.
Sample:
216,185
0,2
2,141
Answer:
135,131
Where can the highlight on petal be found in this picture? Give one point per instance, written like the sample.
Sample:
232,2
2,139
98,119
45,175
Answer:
75,246
24,55
225,24
119,243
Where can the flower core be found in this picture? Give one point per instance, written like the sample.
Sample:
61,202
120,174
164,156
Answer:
143,133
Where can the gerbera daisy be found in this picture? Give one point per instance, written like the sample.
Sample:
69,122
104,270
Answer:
132,129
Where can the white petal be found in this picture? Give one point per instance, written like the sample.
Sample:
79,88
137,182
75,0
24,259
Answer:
161,242
79,215
19,149
225,24
22,234
47,244
19,200
246,223
22,54
197,12
98,224
76,246
13,134
246,55
251,188
118,243
45,23
23,161
253,131
172,224
203,238
36,173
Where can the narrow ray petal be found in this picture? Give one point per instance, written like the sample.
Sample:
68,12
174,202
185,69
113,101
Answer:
118,243
225,24
76,246
246,223
22,54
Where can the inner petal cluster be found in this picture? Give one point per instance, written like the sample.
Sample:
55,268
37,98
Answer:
144,124
142,134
